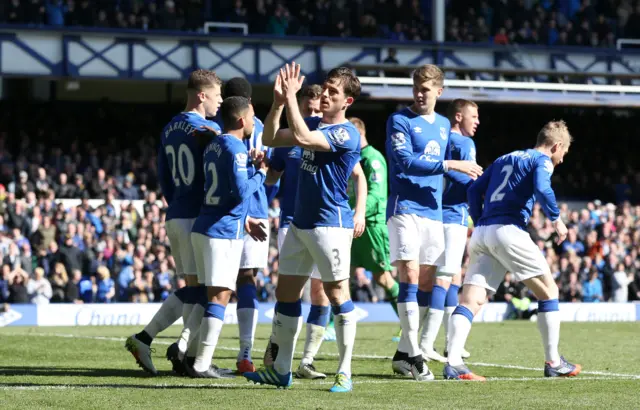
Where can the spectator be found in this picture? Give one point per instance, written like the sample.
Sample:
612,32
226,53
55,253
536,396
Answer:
59,281
104,288
56,11
279,22
5,277
620,288
18,281
39,288
592,288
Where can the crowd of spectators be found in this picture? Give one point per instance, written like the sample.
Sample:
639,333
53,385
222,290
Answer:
596,23
79,250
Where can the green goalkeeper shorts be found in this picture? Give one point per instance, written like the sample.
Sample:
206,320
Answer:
371,250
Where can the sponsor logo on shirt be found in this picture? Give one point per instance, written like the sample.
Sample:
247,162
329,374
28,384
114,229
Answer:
241,159
431,150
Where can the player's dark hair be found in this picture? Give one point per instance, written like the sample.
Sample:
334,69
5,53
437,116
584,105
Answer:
347,79
233,108
311,91
237,87
457,106
201,79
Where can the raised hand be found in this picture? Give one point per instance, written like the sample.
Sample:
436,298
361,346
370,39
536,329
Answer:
291,80
278,95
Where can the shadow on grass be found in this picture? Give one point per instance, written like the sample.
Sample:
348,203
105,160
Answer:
74,371
49,386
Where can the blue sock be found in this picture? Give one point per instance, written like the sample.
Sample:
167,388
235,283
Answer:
215,310
548,306
318,315
346,307
291,309
424,298
247,297
462,310
452,296
438,296
408,293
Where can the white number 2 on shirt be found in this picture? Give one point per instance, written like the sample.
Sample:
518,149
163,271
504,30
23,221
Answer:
497,195
210,199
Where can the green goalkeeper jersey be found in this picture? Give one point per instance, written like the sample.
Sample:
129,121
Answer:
374,166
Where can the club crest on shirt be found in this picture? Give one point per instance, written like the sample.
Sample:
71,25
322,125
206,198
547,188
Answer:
443,133
375,164
339,136
472,154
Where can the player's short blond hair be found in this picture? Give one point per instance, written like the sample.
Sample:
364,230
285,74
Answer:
552,133
359,124
201,79
428,72
457,106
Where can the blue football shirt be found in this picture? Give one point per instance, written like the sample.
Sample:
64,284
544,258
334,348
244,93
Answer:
417,146
510,187
228,189
322,198
180,165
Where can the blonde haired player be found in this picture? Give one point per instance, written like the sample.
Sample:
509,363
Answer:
500,244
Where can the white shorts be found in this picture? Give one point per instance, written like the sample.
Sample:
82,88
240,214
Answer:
217,259
179,233
282,233
495,250
455,242
326,248
255,254
415,238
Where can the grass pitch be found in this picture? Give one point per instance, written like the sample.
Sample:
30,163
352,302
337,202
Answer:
88,368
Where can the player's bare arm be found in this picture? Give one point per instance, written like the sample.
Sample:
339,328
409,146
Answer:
291,81
360,181
466,167
273,177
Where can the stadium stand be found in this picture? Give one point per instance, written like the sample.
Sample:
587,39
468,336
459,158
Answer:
81,213
596,23
58,249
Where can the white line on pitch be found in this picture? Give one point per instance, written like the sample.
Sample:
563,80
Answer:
310,383
359,356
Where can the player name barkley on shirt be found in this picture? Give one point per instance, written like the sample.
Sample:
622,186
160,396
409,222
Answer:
417,146
322,198
227,189
179,165
511,185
